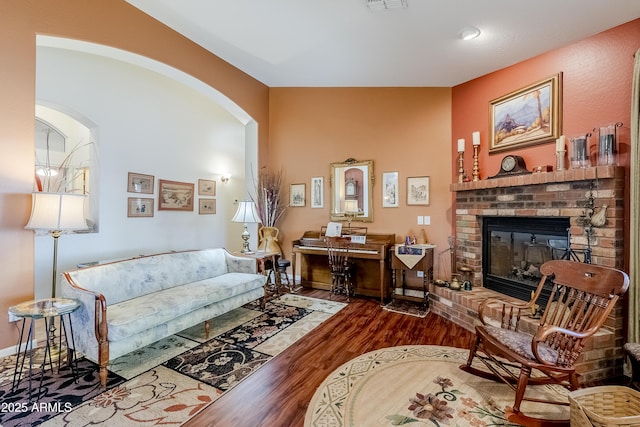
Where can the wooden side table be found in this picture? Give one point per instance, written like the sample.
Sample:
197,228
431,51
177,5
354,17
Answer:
47,309
425,265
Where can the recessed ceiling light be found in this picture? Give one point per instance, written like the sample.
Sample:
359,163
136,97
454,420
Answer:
469,33
385,4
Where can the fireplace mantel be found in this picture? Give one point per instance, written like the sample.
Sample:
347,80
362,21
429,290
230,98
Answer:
569,175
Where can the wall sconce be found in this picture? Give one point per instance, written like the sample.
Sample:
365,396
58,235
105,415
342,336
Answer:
225,177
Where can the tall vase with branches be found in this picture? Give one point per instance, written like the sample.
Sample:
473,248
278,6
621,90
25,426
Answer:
271,205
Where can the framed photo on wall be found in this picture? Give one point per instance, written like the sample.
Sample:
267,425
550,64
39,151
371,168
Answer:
139,183
528,116
175,196
390,190
418,190
317,192
206,206
297,195
138,207
206,187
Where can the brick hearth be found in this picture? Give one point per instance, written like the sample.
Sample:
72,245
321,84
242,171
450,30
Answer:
546,194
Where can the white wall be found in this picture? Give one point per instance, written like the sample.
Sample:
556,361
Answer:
147,123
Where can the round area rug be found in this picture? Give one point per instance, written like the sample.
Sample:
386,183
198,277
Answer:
419,385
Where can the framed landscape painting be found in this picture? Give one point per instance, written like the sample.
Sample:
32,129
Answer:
528,116
175,196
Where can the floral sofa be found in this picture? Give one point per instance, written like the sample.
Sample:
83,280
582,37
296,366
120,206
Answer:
132,303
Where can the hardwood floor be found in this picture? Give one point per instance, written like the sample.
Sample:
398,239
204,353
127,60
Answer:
277,394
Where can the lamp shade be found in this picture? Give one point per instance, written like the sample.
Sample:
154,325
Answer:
57,212
246,213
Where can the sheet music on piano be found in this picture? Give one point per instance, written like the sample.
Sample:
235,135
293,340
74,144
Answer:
334,229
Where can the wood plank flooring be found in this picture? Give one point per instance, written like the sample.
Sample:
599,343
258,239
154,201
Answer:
277,394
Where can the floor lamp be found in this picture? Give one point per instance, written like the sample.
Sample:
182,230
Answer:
246,214
56,213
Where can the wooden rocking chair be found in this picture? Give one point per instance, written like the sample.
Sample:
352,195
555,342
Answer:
582,296
340,266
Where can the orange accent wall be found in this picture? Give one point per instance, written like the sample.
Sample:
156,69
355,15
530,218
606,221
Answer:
400,129
113,23
597,75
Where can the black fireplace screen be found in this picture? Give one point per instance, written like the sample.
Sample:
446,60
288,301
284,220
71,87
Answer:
514,248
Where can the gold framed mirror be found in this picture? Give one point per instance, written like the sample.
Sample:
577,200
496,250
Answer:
351,184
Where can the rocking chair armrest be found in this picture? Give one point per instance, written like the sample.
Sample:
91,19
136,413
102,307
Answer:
506,305
545,330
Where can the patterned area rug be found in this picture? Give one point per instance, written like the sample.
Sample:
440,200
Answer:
422,386
411,308
170,381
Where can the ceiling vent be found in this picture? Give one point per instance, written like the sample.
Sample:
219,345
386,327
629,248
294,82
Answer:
376,5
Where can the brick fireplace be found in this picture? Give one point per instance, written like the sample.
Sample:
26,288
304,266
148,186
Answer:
573,194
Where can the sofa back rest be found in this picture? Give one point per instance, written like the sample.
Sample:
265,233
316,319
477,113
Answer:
124,280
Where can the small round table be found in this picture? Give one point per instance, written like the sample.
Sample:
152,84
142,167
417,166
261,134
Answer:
47,309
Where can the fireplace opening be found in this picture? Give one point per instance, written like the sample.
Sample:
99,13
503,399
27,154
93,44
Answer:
514,248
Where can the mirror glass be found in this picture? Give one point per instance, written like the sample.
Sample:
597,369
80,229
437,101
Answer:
351,190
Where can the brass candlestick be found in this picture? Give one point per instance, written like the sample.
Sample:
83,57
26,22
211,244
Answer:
460,167
476,171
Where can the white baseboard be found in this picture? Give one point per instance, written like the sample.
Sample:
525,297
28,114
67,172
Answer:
12,350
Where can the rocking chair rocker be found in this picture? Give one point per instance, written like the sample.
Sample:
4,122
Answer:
582,296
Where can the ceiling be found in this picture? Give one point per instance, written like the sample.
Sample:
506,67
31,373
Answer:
341,43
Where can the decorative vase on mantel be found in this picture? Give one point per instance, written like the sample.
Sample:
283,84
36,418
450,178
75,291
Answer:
268,240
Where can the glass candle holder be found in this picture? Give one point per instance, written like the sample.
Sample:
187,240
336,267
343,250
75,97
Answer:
607,144
580,151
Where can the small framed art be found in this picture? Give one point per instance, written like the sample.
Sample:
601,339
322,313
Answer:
390,190
175,196
139,207
206,187
206,206
317,192
418,190
139,183
297,195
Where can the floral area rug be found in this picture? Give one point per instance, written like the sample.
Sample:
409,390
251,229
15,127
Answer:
168,382
418,386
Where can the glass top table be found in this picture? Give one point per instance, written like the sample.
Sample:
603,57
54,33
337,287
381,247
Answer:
48,307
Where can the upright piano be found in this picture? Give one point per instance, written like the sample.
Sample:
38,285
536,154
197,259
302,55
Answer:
372,273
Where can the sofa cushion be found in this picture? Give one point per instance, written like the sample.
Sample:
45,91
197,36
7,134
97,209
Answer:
135,315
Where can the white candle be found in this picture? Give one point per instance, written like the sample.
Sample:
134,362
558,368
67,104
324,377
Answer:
460,145
560,143
476,138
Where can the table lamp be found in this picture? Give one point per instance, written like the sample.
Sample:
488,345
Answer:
351,210
246,214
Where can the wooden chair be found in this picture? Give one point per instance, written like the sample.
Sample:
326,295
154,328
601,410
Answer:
340,266
582,296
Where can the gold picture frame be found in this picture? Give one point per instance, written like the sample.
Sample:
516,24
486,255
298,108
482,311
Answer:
175,196
528,116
